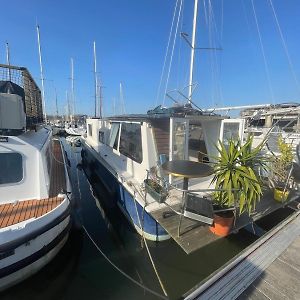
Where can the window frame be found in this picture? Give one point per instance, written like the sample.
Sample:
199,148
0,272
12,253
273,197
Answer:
23,169
127,154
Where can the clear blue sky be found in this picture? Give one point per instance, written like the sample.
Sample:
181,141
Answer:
131,37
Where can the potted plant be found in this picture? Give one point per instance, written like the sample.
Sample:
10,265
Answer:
280,170
236,180
153,186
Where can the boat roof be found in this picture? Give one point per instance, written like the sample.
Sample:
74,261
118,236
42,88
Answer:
159,112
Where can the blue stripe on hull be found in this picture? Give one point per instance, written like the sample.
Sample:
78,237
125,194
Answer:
127,204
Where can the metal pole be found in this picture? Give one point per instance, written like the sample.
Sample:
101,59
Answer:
95,75
8,60
193,50
72,88
56,103
42,74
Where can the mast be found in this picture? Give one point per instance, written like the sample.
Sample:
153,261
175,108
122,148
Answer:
122,99
56,103
42,73
193,51
72,88
8,60
95,75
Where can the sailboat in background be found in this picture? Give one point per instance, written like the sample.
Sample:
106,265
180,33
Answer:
72,127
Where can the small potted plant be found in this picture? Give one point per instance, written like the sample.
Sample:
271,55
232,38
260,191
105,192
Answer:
154,188
280,170
236,180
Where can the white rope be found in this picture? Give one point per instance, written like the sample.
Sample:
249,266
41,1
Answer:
145,242
263,53
166,55
171,58
121,271
285,46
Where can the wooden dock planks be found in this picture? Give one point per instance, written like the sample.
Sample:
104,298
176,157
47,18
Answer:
13,213
281,280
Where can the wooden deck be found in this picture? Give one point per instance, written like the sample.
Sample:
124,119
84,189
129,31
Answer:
195,235
13,213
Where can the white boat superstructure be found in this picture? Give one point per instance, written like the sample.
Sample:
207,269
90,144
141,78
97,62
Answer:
34,184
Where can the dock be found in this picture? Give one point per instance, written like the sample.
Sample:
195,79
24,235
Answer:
269,262
281,280
195,234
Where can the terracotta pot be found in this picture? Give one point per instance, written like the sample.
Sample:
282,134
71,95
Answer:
222,224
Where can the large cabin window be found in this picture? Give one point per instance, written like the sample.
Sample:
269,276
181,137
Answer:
11,168
131,141
114,135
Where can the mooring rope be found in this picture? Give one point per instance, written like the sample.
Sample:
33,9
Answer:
109,261
121,271
145,242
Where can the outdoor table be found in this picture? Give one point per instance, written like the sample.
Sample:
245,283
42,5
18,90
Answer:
186,169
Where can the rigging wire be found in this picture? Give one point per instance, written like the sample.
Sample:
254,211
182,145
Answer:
263,53
171,58
284,45
166,55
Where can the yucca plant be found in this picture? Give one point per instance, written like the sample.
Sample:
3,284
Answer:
236,174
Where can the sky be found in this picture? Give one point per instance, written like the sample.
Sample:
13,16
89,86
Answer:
131,40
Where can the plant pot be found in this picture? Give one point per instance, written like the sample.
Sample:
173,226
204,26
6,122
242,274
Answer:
280,195
159,196
222,223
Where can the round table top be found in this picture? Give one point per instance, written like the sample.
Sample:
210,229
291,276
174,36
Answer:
187,168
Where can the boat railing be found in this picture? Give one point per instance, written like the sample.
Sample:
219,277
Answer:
17,80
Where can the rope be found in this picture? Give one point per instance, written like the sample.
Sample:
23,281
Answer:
263,53
149,254
171,58
285,46
121,271
166,55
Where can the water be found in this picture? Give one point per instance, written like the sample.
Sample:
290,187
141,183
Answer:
81,272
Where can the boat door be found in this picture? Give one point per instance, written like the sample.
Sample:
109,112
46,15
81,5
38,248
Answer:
232,128
179,133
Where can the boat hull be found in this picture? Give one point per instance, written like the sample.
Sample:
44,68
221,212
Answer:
20,261
135,213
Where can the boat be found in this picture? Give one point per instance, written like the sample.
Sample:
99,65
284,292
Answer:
123,150
34,183
127,151
75,129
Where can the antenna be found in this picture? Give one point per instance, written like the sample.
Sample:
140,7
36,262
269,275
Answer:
95,75
41,69
8,60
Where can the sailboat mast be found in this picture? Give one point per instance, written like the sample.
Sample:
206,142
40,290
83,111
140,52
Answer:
95,75
42,73
56,103
8,60
72,88
193,51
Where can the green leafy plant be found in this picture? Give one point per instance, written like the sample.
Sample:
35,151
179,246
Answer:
281,164
236,174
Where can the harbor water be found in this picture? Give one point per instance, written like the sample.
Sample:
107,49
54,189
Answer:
80,271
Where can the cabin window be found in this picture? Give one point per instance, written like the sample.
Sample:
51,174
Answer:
131,141
197,148
90,129
101,136
114,135
231,131
11,168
